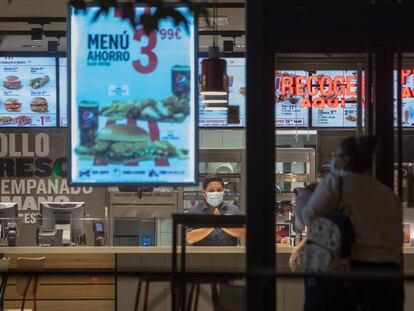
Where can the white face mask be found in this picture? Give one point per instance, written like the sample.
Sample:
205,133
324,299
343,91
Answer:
334,169
215,198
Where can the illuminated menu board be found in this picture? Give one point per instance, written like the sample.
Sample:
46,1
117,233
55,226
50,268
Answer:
289,110
63,92
28,92
407,94
237,97
334,99
132,101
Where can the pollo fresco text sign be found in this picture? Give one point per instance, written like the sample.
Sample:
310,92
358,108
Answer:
34,170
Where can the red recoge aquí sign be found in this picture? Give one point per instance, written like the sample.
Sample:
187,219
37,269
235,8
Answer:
324,90
321,91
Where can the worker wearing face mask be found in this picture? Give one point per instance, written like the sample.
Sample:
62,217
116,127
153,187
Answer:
213,204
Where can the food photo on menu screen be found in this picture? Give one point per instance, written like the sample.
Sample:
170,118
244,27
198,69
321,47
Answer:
236,67
132,101
28,92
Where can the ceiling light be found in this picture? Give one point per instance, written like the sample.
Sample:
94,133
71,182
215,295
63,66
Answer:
36,34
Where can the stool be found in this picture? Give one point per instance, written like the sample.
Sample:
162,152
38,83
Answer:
24,284
195,286
4,266
148,279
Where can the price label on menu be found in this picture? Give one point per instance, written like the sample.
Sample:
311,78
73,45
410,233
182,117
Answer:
132,100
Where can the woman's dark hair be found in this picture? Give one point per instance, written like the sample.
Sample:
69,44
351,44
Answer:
210,178
360,152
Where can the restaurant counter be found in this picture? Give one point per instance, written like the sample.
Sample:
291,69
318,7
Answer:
110,293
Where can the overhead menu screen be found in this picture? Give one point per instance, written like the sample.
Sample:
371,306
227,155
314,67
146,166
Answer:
28,92
236,68
333,98
407,96
290,110
132,105
63,92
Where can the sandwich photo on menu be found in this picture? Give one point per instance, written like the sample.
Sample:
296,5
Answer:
37,83
12,105
12,82
39,104
124,143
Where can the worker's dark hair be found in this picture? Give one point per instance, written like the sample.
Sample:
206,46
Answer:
360,152
210,178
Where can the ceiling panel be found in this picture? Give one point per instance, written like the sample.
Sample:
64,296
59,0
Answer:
58,8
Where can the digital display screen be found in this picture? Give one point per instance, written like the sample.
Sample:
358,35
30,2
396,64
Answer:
407,98
133,112
98,227
63,92
334,99
236,68
28,92
289,110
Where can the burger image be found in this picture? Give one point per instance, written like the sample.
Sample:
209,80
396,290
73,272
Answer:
12,83
12,104
39,104
124,142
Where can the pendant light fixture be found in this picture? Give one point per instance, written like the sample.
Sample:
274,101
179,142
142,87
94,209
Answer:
214,83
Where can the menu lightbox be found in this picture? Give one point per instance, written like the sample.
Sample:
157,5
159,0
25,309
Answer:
236,67
289,111
27,91
132,101
334,102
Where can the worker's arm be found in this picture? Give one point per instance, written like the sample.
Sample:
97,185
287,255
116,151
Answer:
235,232
196,235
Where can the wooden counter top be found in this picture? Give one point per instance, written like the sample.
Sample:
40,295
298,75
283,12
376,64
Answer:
127,250
141,250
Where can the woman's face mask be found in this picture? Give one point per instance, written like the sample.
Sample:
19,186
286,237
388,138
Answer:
214,198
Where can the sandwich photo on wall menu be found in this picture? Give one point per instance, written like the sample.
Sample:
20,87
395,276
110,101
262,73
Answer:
27,92
132,101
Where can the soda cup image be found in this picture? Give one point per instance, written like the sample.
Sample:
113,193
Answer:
88,122
181,79
406,114
230,80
